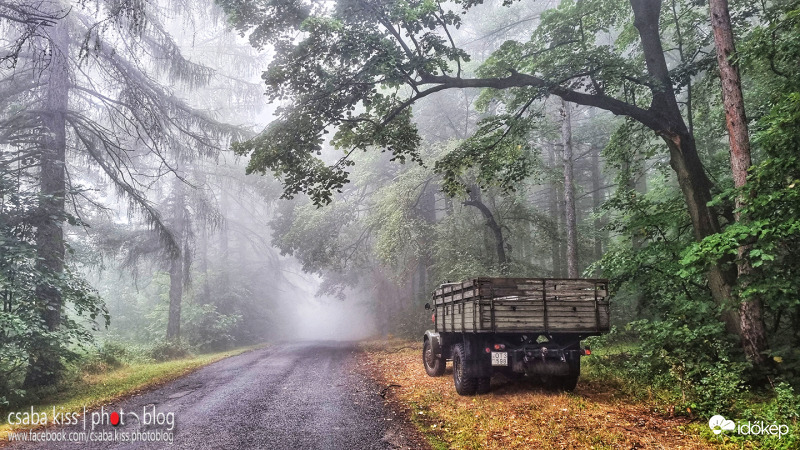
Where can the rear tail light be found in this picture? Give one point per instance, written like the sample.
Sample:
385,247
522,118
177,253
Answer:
488,350
499,346
433,318
587,351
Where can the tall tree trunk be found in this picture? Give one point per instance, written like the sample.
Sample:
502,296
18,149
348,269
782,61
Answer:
177,265
753,333
427,211
597,202
569,191
555,213
224,247
203,263
638,183
45,364
175,296
494,227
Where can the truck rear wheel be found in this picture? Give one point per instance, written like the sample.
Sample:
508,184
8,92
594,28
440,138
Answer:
566,382
434,365
484,385
570,381
464,385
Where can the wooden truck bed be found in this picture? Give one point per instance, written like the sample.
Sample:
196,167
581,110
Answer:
531,305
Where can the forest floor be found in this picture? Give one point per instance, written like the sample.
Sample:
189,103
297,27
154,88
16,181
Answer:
520,414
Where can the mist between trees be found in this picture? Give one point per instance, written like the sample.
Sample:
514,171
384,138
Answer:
563,139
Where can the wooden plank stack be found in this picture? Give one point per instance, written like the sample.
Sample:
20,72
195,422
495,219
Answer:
535,305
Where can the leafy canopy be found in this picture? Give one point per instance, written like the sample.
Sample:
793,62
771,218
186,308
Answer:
354,68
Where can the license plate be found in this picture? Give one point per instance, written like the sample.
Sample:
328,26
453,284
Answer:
499,358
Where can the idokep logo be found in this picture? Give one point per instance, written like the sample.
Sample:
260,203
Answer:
718,424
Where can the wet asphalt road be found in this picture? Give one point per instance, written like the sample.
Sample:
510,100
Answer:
288,396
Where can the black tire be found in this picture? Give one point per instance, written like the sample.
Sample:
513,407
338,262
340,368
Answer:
434,365
483,385
464,385
566,382
570,381
550,382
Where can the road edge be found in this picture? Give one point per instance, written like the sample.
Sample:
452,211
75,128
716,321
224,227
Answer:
144,387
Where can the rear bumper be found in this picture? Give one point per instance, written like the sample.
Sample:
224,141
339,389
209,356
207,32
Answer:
542,360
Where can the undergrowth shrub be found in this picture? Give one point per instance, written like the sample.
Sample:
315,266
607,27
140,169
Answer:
108,356
167,351
206,329
692,368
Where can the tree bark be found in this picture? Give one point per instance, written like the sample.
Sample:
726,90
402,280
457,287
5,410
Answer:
569,191
475,200
753,333
45,364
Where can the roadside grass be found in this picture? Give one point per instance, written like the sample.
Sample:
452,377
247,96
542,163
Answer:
522,415
93,390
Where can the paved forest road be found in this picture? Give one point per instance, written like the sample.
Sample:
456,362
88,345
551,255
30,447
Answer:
290,396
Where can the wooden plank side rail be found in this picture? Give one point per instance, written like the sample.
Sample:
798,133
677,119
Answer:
544,305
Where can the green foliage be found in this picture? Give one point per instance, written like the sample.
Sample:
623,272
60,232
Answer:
359,66
346,73
228,317
206,329
312,234
685,363
166,351
779,407
23,332
402,235
784,406
659,270
108,356
499,150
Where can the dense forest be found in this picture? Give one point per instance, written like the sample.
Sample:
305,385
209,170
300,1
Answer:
154,197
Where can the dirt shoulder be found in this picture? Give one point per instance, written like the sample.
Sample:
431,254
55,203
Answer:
518,414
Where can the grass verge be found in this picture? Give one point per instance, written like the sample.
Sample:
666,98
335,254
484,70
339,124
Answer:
520,414
93,390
